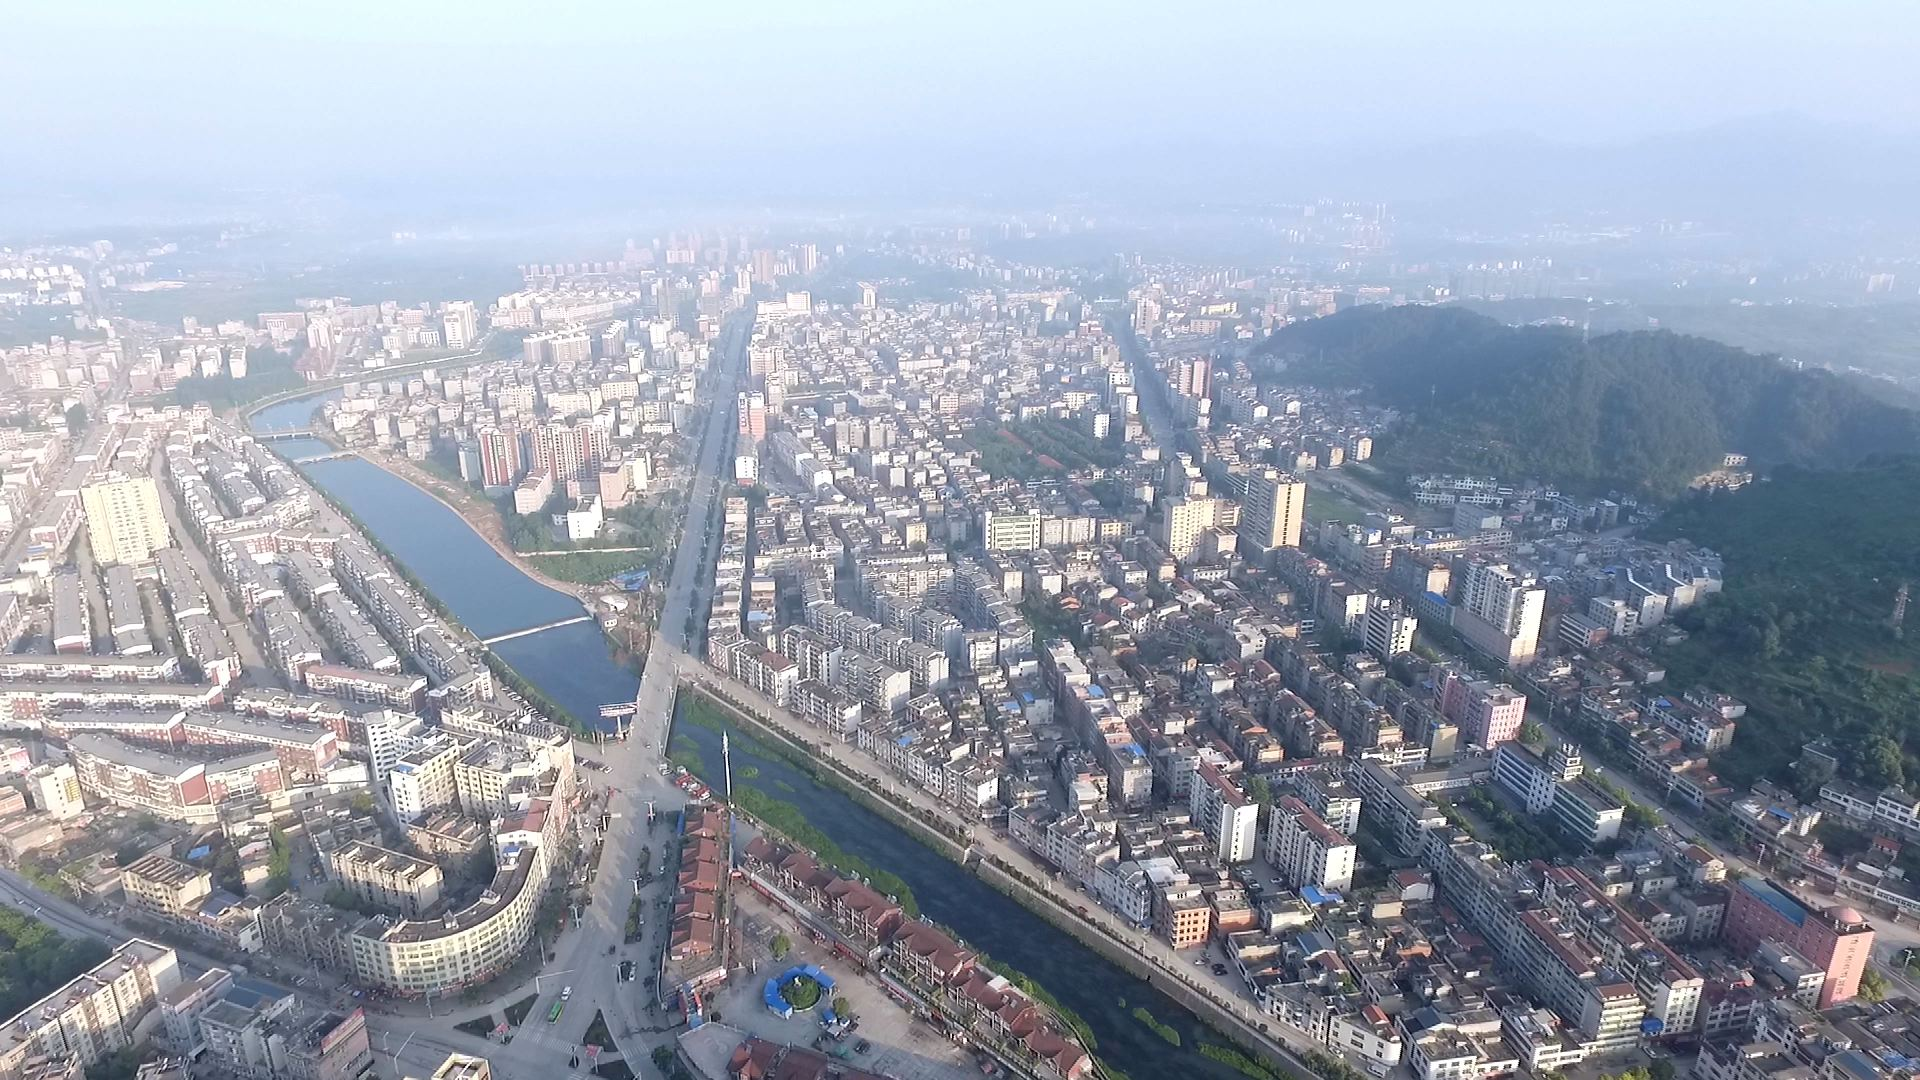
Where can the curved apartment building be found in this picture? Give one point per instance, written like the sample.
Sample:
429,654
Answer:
415,956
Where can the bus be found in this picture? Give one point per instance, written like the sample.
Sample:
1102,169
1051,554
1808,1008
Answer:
553,1014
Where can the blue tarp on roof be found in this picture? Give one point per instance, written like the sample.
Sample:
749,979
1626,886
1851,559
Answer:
1313,895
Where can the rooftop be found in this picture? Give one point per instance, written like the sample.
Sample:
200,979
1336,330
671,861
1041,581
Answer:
163,870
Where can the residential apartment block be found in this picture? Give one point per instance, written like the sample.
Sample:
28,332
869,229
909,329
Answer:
1306,850
93,1015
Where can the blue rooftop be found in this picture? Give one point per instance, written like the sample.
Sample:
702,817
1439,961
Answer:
1789,909
1314,895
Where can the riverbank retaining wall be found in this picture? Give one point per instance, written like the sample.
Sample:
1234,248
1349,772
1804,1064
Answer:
1211,1011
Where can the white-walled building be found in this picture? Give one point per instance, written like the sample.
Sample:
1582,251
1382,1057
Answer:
1225,814
1305,850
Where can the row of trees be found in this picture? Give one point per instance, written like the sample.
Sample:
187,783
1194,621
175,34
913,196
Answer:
34,960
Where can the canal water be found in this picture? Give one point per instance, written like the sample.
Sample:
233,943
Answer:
984,918
574,666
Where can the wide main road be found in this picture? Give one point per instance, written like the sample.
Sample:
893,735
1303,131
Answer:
1149,386
586,957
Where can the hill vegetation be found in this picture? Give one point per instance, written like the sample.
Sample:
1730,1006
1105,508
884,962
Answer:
1641,411
1802,631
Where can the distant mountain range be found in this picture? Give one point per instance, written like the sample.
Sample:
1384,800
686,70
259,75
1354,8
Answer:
1639,411
1763,169
1779,172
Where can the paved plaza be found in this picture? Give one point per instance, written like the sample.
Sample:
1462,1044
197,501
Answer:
901,1046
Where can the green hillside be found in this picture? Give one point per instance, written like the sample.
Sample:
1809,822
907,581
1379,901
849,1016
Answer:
1801,632
1642,411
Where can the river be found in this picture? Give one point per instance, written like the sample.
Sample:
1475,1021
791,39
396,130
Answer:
574,666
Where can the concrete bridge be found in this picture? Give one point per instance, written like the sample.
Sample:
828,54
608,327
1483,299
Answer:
498,638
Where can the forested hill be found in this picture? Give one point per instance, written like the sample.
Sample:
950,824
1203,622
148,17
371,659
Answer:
1641,411
1803,631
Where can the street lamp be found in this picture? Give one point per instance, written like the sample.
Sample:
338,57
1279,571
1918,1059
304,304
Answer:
402,1050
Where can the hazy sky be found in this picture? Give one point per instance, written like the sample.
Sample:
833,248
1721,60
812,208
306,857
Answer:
223,93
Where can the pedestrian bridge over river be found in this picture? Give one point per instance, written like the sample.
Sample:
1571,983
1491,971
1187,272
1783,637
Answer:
530,631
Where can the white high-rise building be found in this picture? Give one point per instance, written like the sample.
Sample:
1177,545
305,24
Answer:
1305,850
1274,510
459,324
1387,629
1500,612
319,333
124,521
1230,820
55,787
422,780
1183,518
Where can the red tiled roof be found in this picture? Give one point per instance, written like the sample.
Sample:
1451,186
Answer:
941,951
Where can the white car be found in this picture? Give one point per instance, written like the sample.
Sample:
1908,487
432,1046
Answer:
566,992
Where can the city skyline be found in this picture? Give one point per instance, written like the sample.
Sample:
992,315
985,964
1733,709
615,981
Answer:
1066,542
